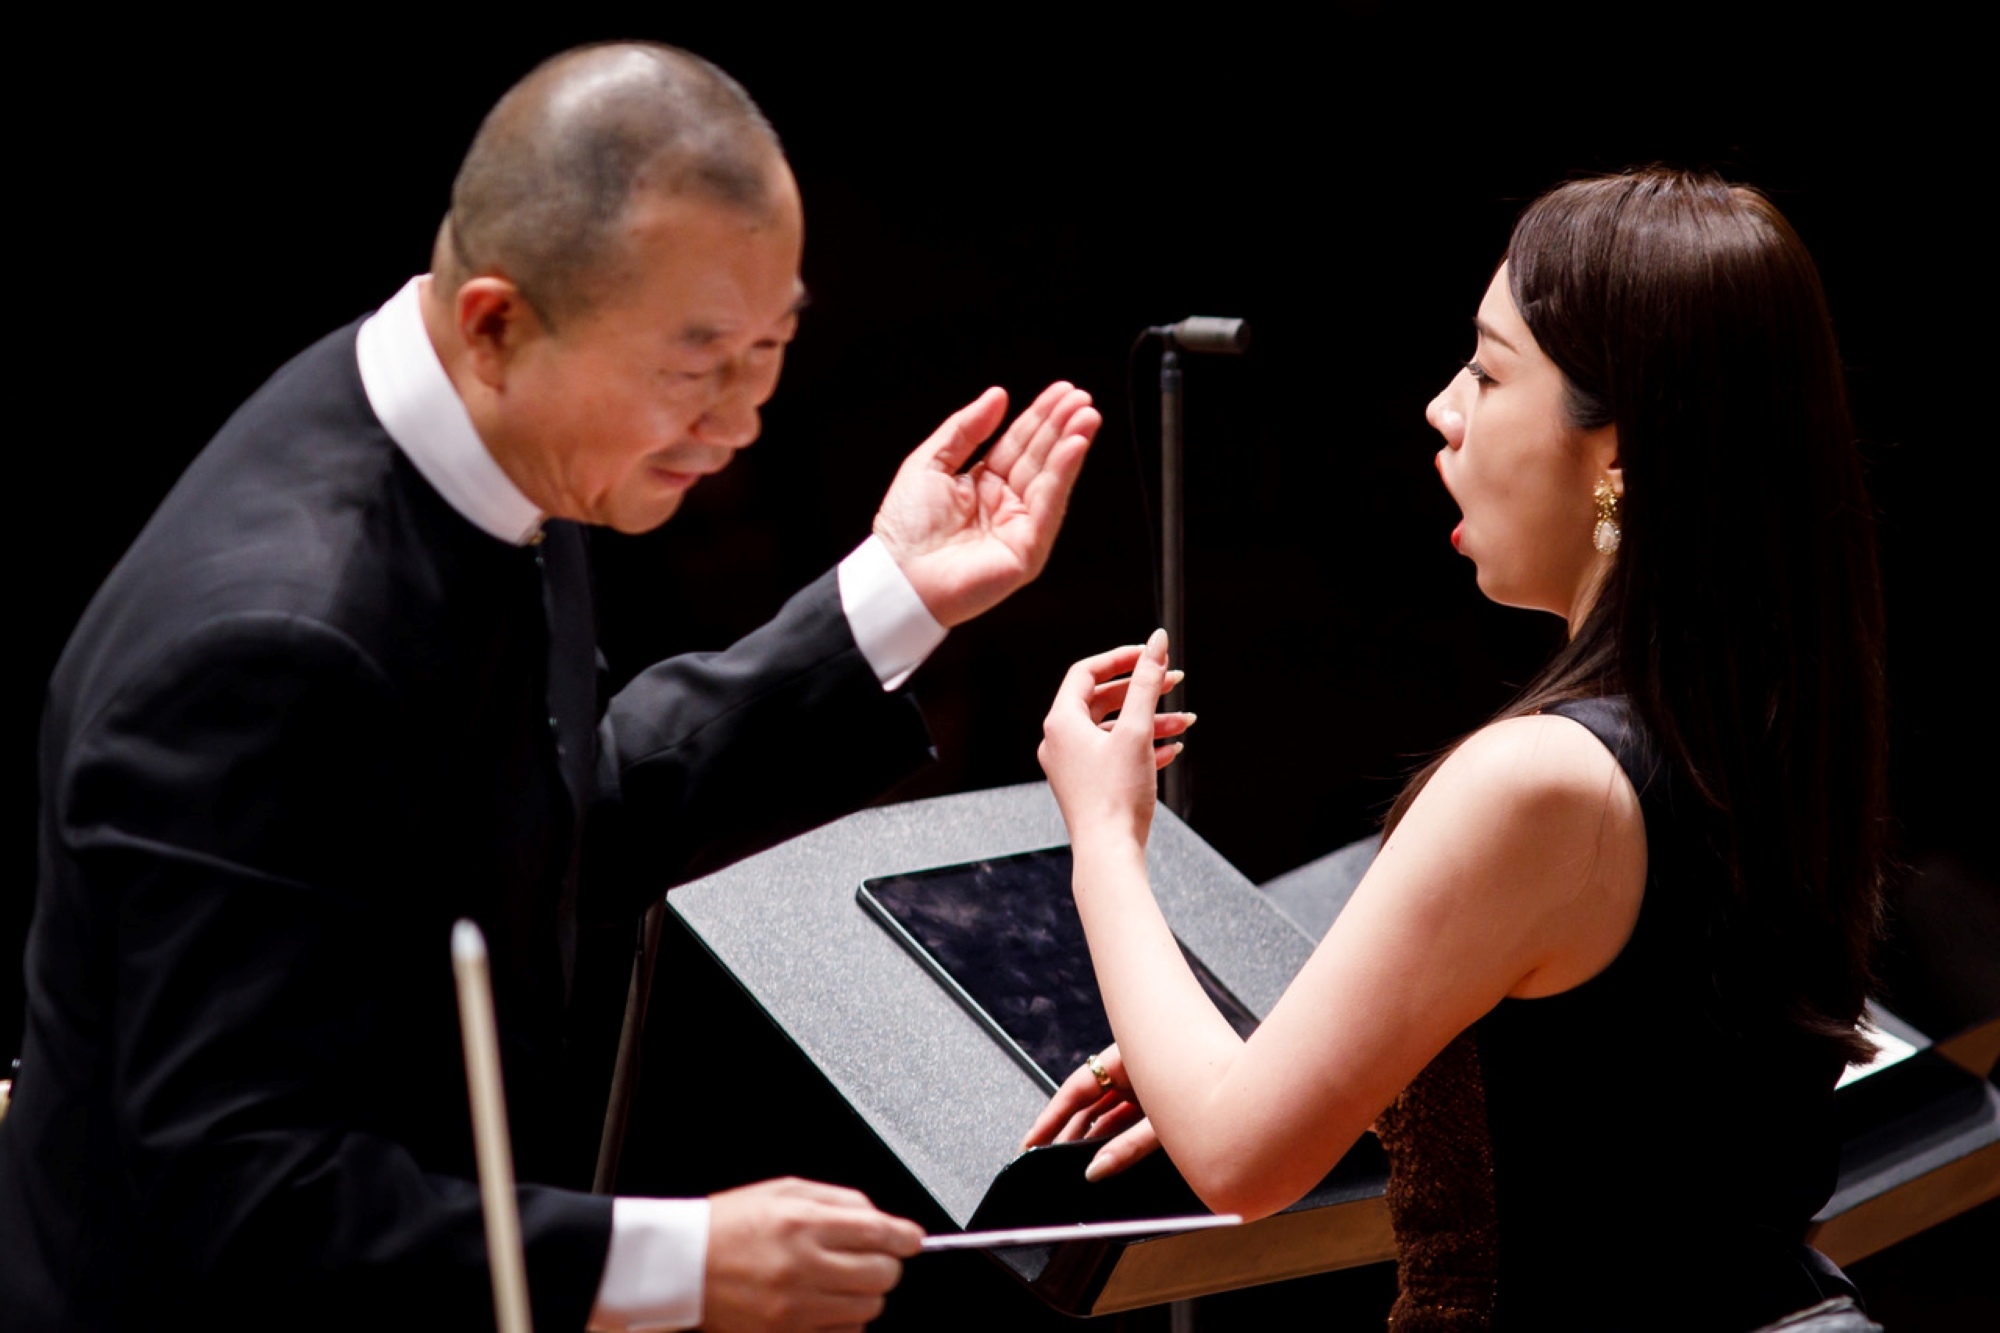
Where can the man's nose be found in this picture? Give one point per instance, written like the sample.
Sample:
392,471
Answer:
731,422
731,419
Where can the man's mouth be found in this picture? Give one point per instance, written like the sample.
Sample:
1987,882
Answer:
675,479
683,477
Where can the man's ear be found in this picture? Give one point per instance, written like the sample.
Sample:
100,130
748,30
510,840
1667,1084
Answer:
494,323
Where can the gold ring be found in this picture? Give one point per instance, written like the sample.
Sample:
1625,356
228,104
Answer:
1096,1067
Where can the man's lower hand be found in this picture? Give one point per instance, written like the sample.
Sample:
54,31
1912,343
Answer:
795,1254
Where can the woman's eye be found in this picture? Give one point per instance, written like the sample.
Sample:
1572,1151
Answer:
1478,373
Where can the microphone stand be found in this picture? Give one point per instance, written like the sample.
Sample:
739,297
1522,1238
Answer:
1200,334
1173,551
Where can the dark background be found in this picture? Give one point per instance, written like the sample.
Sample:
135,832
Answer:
1009,203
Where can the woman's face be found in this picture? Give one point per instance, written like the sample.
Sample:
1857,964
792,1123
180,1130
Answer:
1523,477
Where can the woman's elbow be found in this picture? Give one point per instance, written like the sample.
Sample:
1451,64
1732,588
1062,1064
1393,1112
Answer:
1247,1188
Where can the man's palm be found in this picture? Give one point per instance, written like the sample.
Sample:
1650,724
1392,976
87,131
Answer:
967,542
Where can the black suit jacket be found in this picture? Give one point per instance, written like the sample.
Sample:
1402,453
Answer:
313,717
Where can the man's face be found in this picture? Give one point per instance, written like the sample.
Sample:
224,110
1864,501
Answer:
622,408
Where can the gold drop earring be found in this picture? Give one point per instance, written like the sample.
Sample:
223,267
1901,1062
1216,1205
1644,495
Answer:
1606,535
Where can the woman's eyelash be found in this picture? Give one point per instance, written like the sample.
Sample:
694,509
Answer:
1478,372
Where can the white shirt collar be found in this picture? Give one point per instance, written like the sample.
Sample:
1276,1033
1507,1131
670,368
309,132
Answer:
407,386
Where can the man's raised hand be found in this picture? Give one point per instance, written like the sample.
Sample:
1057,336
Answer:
966,542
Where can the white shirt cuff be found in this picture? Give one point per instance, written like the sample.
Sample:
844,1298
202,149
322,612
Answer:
652,1275
891,624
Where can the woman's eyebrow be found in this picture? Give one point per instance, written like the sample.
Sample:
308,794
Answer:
1485,330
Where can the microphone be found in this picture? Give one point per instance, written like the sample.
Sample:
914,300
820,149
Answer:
1206,333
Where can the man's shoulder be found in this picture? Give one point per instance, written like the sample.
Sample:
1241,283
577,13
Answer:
288,478
300,509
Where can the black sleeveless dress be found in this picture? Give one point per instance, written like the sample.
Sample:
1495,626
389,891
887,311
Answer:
1608,1158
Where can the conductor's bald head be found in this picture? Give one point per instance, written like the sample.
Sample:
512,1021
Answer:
560,159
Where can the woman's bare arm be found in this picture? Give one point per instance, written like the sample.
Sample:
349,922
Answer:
1517,871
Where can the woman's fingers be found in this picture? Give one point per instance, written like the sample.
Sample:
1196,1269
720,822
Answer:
1080,683
1120,1116
1122,1151
1077,1096
1117,661
1083,1107
1149,679
1164,724
1109,697
1083,1124
1102,684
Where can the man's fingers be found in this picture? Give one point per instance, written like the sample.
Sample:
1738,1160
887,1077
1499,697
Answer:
1013,443
837,1196
965,430
1072,418
800,1254
867,1231
854,1273
1008,451
1046,494
848,1220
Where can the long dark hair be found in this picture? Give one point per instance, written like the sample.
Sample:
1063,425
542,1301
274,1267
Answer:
1742,612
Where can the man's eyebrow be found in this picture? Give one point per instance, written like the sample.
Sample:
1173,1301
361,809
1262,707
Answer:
701,335
1485,330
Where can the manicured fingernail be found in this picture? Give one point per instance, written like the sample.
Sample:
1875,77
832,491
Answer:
1097,1170
1175,677
1190,719
1156,645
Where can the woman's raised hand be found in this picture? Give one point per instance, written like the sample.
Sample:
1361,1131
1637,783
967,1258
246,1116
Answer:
1103,771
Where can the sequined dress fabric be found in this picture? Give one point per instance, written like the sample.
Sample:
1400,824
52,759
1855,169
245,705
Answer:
1441,1196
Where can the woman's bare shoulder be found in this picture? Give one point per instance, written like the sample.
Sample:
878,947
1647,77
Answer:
1542,761
1532,827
